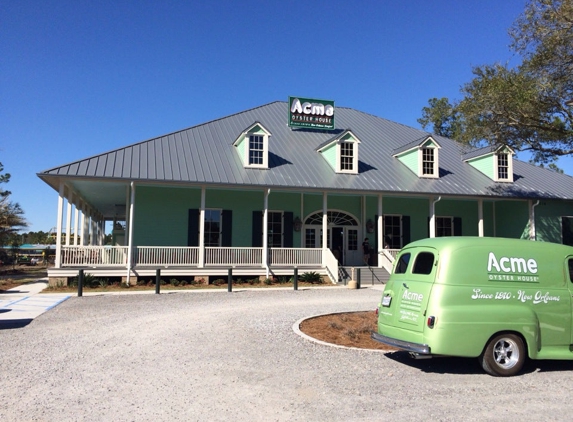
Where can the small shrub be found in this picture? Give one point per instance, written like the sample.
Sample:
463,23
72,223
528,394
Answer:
268,281
174,282
311,277
283,280
253,281
124,285
103,283
219,282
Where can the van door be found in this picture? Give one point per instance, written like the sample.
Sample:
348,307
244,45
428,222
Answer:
406,296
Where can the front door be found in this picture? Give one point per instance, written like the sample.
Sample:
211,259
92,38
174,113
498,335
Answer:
337,243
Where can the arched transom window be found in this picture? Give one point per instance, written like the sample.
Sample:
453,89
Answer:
335,218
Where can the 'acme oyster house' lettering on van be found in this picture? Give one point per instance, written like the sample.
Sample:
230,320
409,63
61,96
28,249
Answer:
308,113
511,268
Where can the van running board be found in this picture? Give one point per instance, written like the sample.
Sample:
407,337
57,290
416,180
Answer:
418,356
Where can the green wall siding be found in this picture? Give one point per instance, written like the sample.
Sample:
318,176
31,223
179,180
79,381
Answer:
329,154
241,146
161,214
410,160
484,164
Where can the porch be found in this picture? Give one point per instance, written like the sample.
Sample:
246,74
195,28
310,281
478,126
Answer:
112,261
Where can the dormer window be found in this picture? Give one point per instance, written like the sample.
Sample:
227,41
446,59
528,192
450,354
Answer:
256,150
341,152
346,156
502,166
253,146
496,162
420,156
428,163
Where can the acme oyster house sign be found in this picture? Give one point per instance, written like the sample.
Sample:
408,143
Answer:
308,113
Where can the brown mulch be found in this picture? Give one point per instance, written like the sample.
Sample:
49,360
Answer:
351,329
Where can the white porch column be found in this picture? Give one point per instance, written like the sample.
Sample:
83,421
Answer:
76,219
69,217
201,262
302,234
532,230
324,222
58,262
433,215
380,229
266,232
130,241
85,226
480,217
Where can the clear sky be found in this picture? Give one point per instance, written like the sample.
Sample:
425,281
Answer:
79,78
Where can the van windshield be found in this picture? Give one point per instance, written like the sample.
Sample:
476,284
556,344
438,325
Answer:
424,263
402,264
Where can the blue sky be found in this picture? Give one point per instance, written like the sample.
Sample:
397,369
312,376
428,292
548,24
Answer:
80,78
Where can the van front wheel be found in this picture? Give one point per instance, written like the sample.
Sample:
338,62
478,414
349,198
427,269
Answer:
504,355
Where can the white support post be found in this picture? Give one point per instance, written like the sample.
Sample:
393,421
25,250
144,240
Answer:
69,217
433,215
266,232
480,218
380,229
302,234
532,229
324,226
76,219
58,262
130,242
202,229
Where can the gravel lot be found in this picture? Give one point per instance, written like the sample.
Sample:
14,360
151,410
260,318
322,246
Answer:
214,356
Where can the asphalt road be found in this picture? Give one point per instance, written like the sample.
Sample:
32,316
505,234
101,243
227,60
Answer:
214,356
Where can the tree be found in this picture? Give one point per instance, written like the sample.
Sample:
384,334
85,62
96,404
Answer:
525,107
11,214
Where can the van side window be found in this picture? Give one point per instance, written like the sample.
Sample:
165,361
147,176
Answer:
402,264
424,263
570,262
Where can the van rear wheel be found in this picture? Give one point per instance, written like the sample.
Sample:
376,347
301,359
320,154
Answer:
503,356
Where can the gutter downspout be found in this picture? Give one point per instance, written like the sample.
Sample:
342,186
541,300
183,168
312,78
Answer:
532,231
433,217
130,241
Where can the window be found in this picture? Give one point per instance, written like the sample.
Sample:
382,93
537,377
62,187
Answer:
346,156
444,226
392,232
424,263
213,228
402,263
256,150
352,240
502,166
275,229
310,236
428,161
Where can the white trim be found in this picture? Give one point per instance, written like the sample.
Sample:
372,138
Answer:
496,157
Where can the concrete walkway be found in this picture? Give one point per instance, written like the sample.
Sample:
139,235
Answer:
20,305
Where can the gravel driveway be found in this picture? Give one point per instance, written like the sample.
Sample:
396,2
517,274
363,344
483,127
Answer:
218,356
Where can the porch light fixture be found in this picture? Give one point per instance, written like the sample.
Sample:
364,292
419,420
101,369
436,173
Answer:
369,226
297,224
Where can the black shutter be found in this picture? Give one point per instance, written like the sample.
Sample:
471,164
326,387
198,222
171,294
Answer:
428,226
405,230
257,240
227,235
193,228
287,229
457,226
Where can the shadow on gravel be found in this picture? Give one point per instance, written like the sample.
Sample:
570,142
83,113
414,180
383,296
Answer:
465,366
10,324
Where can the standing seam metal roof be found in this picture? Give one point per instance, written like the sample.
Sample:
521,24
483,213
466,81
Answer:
204,154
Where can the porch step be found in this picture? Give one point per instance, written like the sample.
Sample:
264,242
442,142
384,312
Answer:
368,275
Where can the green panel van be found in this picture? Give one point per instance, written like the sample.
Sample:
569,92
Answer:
500,300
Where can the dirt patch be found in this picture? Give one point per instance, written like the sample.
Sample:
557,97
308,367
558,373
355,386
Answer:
351,329
14,276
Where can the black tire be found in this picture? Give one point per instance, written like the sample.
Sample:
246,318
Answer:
504,355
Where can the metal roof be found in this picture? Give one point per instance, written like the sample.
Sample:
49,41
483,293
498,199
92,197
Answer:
205,155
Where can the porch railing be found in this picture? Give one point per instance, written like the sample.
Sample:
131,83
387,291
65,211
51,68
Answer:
230,256
295,256
167,256
387,258
109,256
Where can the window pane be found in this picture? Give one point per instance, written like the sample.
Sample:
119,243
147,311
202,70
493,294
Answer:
310,238
352,240
212,228
402,264
275,228
424,263
256,149
428,161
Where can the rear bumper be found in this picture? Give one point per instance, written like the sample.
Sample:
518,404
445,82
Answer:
421,349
